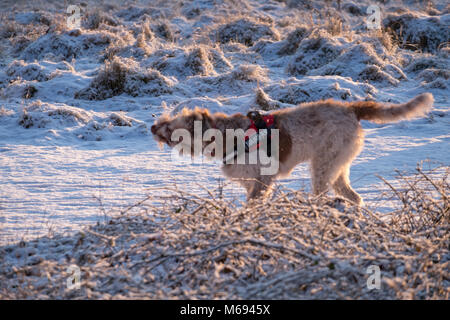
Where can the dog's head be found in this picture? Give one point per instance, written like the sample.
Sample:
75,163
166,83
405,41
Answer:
166,125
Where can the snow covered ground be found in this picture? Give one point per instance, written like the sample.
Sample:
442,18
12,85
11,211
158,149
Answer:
76,105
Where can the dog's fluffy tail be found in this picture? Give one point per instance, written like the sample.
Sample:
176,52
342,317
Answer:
381,113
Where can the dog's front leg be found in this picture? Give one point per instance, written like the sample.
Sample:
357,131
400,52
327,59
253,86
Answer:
249,176
259,187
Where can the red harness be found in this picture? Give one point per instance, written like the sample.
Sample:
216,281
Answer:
253,135
268,123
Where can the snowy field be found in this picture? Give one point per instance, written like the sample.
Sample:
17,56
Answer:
76,106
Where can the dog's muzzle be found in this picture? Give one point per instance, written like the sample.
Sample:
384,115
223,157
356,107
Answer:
160,137
156,136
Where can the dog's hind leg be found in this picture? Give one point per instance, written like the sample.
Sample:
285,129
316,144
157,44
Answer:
323,172
330,168
330,164
342,187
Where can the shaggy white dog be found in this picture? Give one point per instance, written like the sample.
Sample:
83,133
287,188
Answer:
326,133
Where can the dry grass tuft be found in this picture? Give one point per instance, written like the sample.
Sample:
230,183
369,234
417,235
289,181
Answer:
315,51
117,77
112,77
264,101
10,29
245,31
249,73
333,24
292,41
95,18
143,36
163,30
418,33
29,91
386,39
198,62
